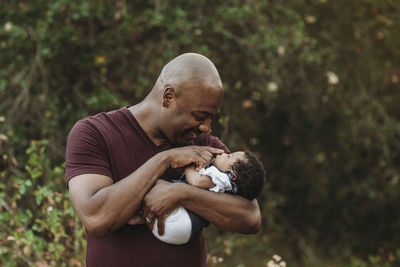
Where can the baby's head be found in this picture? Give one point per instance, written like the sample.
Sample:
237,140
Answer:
248,172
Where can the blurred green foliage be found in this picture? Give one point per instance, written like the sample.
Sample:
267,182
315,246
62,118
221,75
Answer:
312,86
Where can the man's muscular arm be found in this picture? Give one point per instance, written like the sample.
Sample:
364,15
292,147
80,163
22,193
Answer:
104,206
229,212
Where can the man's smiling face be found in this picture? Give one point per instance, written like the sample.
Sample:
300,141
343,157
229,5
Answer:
191,113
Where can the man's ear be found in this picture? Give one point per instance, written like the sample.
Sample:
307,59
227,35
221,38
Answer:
168,96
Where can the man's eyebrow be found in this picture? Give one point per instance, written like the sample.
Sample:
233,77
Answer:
206,113
212,116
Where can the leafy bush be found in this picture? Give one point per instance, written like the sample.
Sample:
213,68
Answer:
38,224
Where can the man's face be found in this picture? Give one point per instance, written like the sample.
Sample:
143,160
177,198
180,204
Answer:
191,113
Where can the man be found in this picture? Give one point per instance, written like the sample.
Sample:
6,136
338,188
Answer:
117,163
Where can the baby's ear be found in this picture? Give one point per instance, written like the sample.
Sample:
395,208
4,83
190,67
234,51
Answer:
234,178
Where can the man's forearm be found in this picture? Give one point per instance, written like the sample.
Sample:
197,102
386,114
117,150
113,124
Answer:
110,207
226,211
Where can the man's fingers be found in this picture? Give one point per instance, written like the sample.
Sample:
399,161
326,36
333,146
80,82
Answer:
201,164
213,150
148,219
207,155
204,158
150,223
145,213
198,155
160,226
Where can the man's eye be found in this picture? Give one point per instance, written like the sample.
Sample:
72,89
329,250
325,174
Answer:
199,118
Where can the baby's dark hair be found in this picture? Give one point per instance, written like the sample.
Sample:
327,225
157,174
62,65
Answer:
250,175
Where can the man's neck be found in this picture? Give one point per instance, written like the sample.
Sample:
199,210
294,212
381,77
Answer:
148,118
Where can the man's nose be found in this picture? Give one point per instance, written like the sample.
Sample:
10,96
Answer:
205,125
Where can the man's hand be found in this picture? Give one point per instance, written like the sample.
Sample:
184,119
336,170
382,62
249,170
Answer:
158,203
199,156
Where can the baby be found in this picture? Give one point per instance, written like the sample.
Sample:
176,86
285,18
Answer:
238,173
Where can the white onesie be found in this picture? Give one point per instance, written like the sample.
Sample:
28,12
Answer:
181,225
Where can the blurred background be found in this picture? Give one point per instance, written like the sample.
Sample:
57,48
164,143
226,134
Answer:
312,86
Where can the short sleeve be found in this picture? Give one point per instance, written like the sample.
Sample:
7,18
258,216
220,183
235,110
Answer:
206,139
86,152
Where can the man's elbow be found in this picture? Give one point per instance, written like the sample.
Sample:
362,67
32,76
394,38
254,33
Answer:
97,228
97,232
253,225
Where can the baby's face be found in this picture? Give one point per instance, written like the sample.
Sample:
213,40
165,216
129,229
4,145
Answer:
225,161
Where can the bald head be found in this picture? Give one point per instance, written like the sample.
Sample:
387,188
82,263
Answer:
187,95
187,69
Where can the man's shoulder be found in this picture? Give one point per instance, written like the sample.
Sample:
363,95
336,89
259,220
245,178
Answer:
98,126
107,114
102,118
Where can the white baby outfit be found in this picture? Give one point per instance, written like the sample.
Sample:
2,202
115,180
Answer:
181,225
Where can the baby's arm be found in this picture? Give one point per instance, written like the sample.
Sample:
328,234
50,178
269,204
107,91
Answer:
193,177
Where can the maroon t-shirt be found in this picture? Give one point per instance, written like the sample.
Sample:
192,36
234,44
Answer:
115,145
